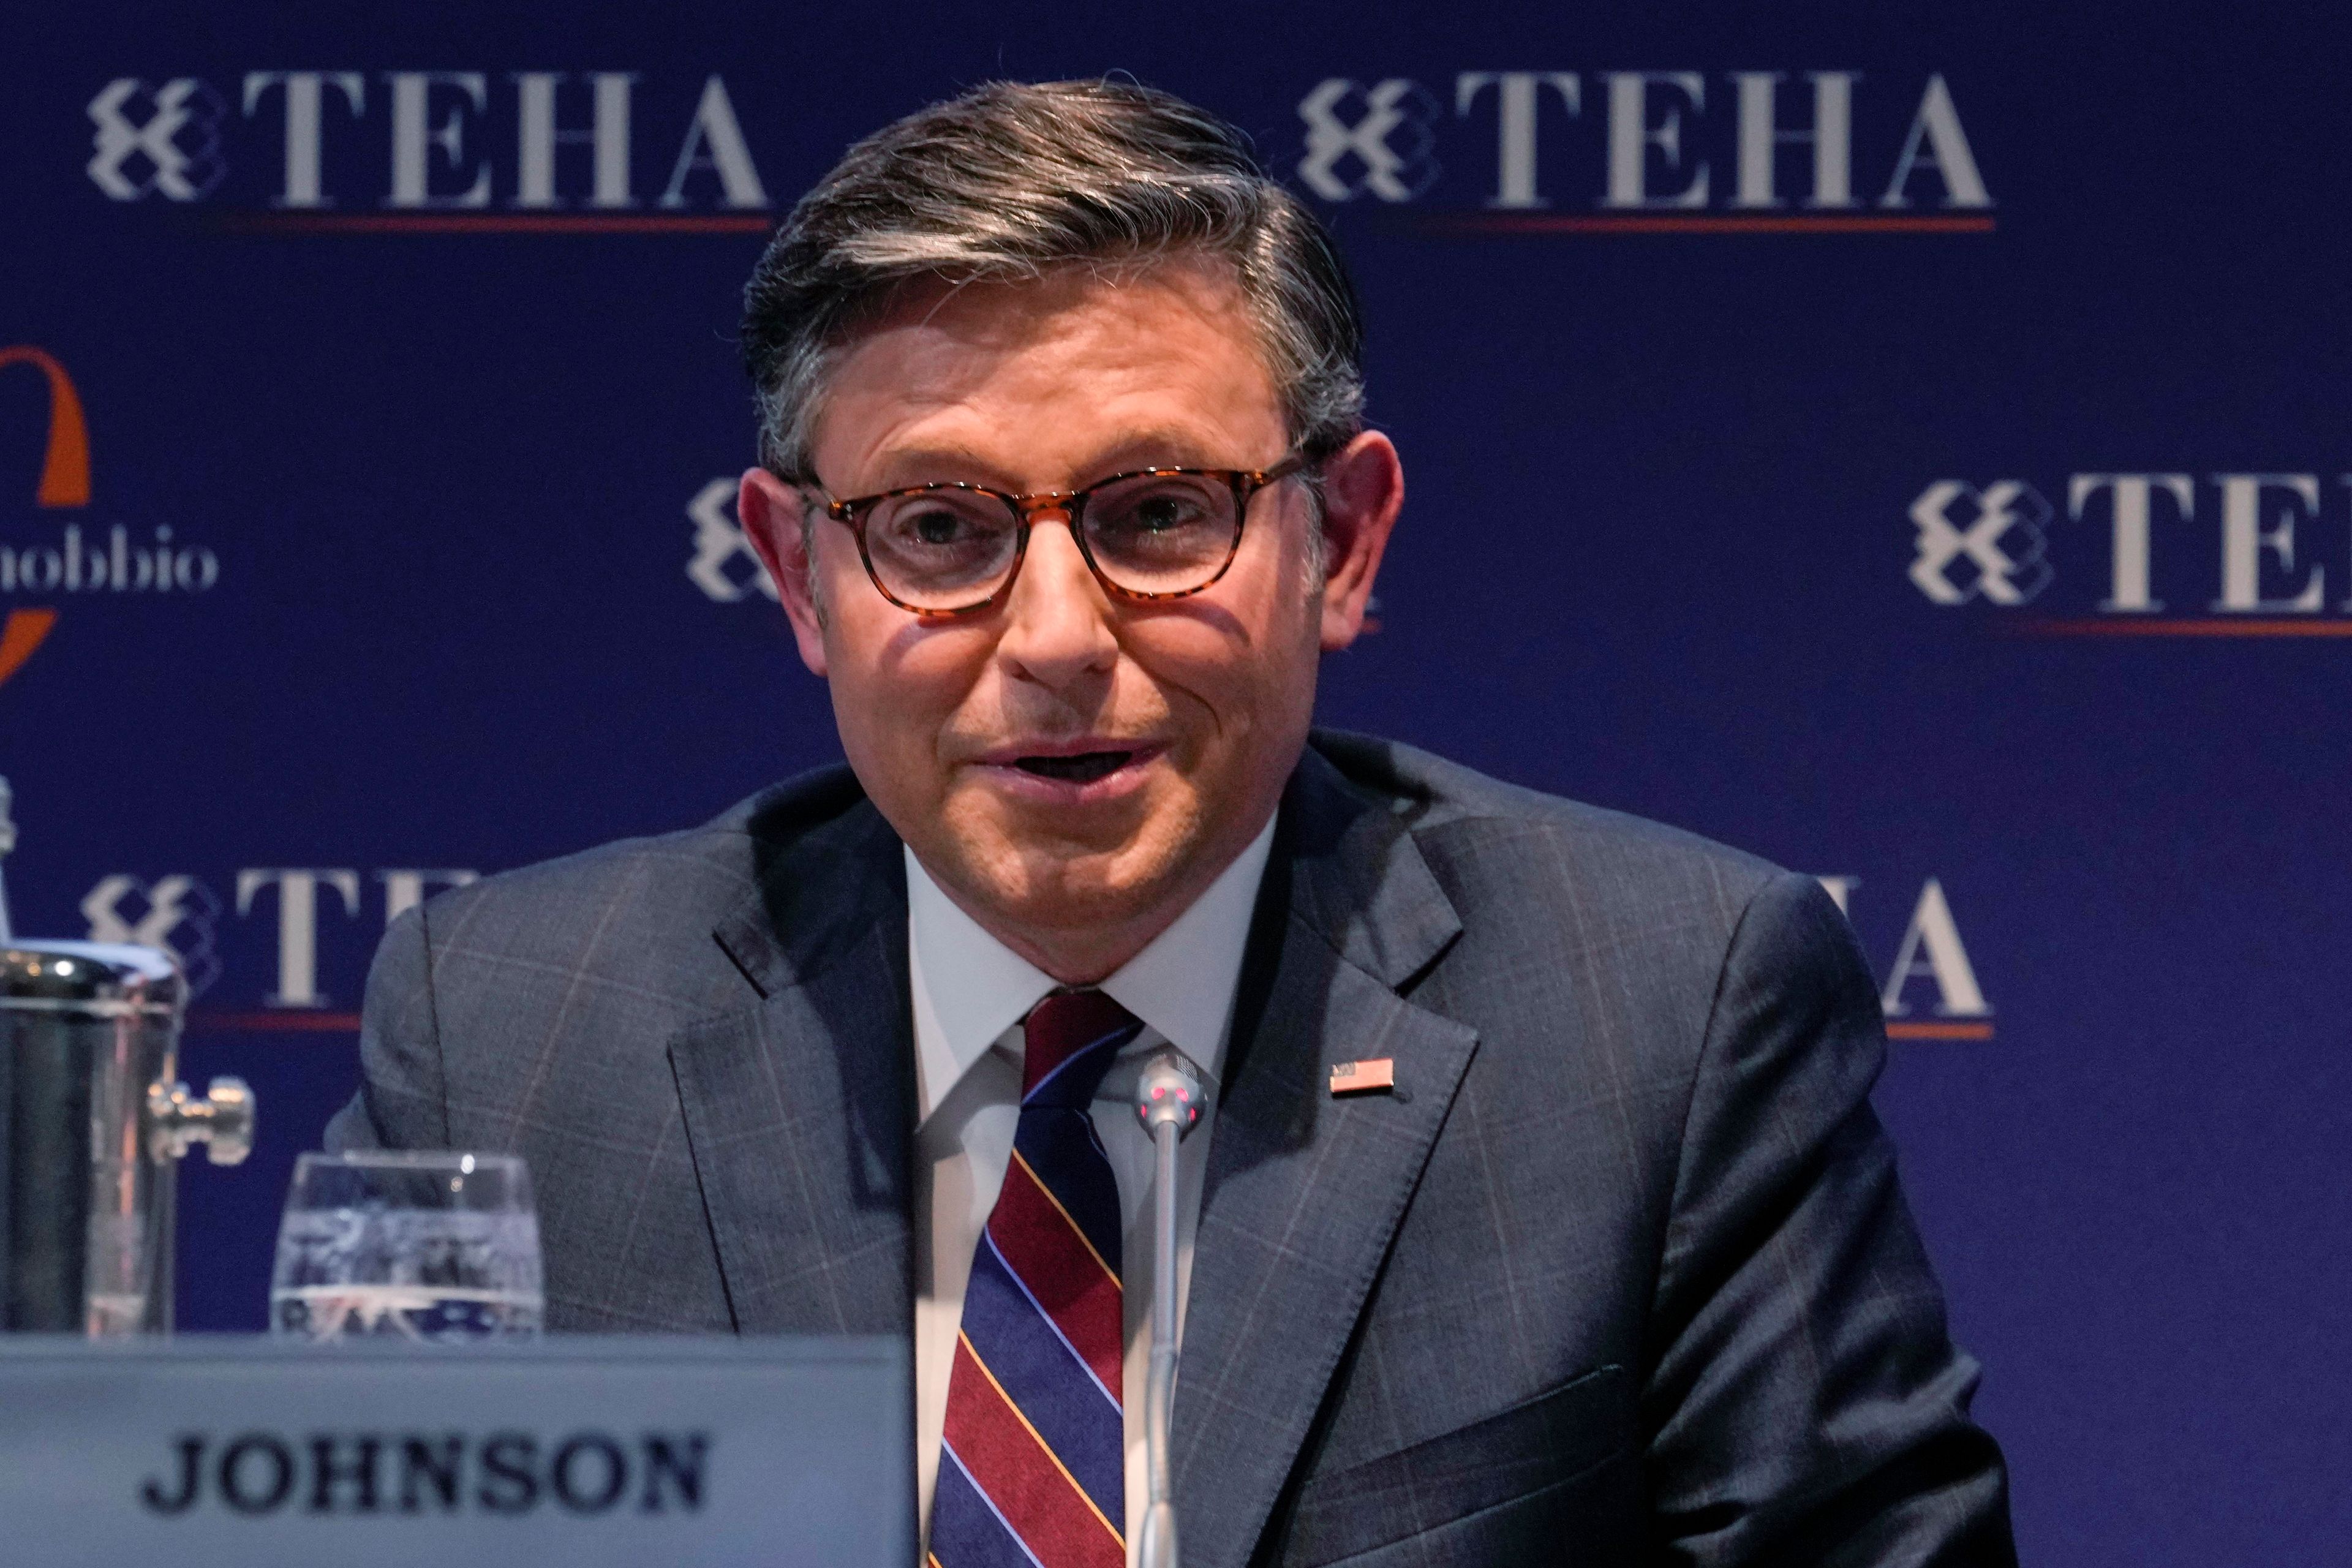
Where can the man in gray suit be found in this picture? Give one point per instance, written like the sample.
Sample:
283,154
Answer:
1538,1213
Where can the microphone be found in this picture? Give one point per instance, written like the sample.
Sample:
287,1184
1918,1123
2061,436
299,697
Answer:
1168,1103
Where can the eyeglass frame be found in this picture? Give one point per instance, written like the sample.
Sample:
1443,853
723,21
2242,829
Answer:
1245,484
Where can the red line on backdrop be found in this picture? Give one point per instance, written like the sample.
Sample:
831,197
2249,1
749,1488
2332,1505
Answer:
2186,626
1923,1031
1702,223
495,223
287,1021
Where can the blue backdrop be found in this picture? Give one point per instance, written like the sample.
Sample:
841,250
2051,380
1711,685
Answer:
1916,439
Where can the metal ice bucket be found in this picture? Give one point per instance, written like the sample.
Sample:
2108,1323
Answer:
93,1121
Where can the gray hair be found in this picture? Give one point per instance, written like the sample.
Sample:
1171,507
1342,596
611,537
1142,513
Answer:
1011,179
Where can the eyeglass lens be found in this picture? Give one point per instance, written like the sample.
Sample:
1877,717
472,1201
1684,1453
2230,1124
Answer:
1148,533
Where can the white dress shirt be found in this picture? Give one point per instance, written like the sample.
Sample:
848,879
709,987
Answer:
970,993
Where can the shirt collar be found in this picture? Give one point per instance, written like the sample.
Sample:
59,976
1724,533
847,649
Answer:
969,989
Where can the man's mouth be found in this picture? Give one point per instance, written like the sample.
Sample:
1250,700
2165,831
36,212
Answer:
1083,768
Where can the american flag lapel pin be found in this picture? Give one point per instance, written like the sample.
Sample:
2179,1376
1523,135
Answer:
1377,1076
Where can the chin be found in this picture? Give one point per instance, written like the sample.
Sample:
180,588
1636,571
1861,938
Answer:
1052,882
1073,886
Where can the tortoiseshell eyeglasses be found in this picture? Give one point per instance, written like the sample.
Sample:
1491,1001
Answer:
951,549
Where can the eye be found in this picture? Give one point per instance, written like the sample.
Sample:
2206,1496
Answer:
942,520
1166,510
1155,506
937,525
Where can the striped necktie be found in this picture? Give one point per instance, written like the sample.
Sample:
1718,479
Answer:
1033,1473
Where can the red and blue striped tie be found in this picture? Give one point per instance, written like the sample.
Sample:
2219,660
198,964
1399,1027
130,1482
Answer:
1033,1473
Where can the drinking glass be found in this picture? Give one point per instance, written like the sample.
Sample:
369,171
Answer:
414,1245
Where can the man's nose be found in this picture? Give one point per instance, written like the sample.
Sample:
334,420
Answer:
1058,623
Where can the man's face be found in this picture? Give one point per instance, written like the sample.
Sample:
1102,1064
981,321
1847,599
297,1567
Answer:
962,731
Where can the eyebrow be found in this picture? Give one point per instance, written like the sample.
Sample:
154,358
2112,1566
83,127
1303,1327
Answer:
1141,449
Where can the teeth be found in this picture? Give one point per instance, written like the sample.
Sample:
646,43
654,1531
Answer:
1083,768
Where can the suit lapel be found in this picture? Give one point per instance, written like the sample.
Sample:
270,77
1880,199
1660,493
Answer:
799,1113
1303,1192
799,1104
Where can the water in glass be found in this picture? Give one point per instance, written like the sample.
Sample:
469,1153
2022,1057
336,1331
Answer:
414,1245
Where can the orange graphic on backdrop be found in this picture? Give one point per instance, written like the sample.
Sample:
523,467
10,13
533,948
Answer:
64,468
23,632
65,482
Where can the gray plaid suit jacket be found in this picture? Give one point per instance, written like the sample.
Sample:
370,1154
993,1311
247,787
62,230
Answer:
1620,1273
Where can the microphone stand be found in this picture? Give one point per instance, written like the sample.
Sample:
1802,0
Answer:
1168,1103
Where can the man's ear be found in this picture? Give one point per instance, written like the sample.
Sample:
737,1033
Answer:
1363,490
772,512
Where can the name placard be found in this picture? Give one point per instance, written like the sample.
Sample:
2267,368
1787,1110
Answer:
581,1452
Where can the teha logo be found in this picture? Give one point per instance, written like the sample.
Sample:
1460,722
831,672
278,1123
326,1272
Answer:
181,913
176,913
166,142
1346,158
437,161
1999,549
721,562
1663,151
1931,952
2246,554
